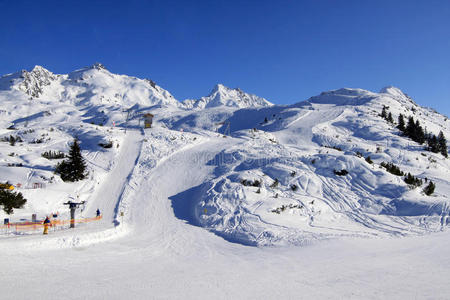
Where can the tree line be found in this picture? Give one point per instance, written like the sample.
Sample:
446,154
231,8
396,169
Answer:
413,130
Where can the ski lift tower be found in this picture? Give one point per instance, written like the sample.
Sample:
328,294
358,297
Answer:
227,128
73,206
129,116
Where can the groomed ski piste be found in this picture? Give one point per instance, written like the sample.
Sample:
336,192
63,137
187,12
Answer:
182,214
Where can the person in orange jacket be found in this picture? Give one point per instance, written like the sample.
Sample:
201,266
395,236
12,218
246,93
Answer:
46,225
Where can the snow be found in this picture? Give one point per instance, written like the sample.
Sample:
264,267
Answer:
190,228
223,96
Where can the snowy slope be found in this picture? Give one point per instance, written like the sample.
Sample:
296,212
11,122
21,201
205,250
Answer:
294,145
180,187
298,146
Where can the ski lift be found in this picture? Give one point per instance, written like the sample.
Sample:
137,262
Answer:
227,127
73,206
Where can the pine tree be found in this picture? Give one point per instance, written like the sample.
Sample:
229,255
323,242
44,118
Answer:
442,144
390,119
410,128
10,200
72,169
412,180
433,143
414,131
384,113
429,189
419,133
12,140
275,183
401,122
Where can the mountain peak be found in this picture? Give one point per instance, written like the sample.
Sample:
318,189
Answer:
218,88
34,81
98,66
39,69
392,90
225,96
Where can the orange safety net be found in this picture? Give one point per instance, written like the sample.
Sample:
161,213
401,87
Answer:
29,226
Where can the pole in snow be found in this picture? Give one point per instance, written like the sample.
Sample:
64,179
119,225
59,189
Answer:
73,206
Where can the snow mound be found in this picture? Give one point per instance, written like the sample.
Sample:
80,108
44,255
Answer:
344,96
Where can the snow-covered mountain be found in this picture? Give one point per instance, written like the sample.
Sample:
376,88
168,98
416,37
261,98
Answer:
224,96
232,163
93,85
96,87
229,167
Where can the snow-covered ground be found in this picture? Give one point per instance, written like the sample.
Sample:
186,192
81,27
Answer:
224,197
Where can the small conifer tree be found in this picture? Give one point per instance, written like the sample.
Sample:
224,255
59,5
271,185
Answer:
275,183
433,143
384,112
10,200
12,140
442,144
410,128
389,118
74,168
429,189
419,133
401,123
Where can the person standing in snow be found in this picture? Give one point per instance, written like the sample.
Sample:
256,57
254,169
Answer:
46,225
98,213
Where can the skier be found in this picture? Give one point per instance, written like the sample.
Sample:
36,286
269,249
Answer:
98,213
46,225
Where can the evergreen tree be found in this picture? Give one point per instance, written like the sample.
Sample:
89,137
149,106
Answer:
401,122
429,189
12,140
410,128
412,180
414,131
275,183
384,113
442,144
10,200
393,169
419,133
72,169
390,119
433,143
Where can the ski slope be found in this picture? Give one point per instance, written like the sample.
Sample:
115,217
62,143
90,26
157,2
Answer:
162,256
107,198
190,227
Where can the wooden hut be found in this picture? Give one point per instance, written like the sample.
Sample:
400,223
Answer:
148,120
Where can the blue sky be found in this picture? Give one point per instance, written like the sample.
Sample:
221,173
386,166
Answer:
285,51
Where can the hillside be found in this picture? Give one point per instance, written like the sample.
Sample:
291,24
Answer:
265,174
182,201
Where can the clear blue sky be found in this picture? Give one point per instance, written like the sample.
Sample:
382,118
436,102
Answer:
285,51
